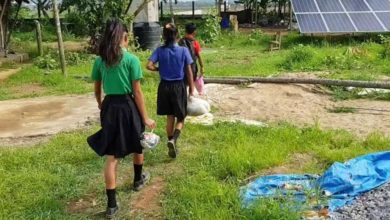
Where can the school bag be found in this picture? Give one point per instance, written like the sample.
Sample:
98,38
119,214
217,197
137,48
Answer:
184,42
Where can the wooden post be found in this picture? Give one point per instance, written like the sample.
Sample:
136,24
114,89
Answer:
161,10
291,15
256,14
59,36
193,9
39,37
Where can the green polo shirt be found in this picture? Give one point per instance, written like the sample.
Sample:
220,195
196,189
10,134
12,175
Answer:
117,80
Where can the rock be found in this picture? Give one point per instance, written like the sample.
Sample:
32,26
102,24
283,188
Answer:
373,205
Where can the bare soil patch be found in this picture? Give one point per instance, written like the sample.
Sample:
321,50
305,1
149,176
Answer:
147,202
45,116
298,104
34,88
4,74
73,46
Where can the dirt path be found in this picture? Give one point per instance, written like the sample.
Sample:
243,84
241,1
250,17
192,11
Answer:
4,74
298,104
45,116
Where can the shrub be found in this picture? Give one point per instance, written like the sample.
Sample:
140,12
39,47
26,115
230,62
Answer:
51,61
300,54
385,53
47,61
211,29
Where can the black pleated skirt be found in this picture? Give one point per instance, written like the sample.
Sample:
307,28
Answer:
121,130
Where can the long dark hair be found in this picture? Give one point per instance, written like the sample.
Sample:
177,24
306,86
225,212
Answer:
110,47
170,34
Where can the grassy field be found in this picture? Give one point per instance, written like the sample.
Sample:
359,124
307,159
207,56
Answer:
38,182
43,181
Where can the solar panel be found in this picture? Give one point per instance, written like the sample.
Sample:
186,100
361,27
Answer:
339,23
378,5
366,22
305,6
342,16
311,23
330,6
385,18
355,5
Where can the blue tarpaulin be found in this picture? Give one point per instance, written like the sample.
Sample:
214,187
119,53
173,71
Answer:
342,182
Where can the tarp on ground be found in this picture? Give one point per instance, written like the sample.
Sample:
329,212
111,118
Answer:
342,182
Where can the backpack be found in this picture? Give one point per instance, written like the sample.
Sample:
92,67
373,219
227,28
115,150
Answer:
190,45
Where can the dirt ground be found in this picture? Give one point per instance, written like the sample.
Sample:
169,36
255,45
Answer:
302,105
4,74
37,117
298,104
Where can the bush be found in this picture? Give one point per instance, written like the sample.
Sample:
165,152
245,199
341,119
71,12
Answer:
211,29
51,61
385,53
78,22
300,54
47,61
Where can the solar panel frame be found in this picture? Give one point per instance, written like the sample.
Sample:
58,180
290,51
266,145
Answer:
342,16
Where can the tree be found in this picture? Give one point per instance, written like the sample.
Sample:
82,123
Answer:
95,12
42,6
5,8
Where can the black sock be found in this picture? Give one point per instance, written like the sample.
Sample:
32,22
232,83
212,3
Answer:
176,134
170,138
137,172
111,198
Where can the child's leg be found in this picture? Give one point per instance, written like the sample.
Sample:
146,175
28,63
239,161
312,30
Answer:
178,127
140,178
138,161
170,126
110,179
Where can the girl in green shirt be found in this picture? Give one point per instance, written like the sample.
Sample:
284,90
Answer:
123,115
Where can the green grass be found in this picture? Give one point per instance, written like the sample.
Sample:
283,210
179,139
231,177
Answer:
247,55
39,182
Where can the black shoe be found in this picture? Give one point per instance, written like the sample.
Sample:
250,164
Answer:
111,212
172,152
137,186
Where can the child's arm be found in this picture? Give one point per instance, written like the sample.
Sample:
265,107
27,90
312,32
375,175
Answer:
201,64
190,79
151,66
139,101
98,93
